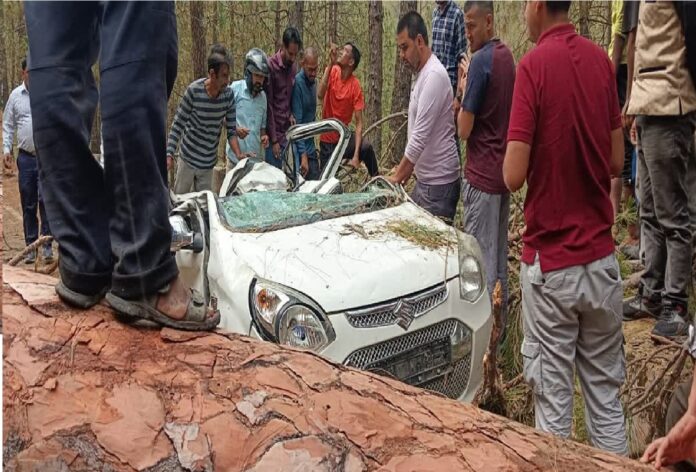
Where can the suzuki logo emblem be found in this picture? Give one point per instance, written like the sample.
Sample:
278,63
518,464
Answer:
403,311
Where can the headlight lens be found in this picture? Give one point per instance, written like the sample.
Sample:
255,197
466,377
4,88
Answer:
301,327
286,316
471,274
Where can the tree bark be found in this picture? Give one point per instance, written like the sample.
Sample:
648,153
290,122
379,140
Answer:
374,74
333,21
216,21
5,87
584,18
198,45
400,95
85,392
297,18
276,9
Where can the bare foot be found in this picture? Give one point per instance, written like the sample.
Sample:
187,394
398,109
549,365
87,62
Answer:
175,302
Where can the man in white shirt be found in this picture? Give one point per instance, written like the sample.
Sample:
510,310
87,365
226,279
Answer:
17,118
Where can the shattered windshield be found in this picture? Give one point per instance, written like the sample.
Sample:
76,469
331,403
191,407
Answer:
259,212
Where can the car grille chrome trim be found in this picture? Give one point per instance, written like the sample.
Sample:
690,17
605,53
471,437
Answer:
452,383
387,314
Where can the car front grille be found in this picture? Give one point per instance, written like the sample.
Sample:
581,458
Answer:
386,314
387,358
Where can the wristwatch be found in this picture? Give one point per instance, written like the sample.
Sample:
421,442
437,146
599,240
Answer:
690,344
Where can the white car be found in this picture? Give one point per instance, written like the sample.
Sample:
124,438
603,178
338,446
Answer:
367,279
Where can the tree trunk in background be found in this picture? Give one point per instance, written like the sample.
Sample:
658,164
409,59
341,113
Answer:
198,44
297,17
374,74
85,392
400,96
584,18
5,87
230,35
216,21
277,28
333,21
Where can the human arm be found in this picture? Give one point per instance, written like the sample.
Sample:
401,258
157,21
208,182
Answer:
181,119
402,173
523,122
355,161
9,123
680,442
324,84
474,83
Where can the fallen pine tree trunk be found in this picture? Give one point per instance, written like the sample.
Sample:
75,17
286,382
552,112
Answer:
85,392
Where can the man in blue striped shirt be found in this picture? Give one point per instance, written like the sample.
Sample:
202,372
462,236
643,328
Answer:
449,41
206,104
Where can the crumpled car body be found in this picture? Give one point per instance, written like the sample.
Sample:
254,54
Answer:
367,279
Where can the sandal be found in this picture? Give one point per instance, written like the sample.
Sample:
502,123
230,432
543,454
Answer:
79,300
196,318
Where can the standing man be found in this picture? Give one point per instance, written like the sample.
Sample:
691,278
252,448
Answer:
111,224
342,98
449,43
207,103
279,93
304,110
17,118
567,142
431,149
250,108
483,123
663,101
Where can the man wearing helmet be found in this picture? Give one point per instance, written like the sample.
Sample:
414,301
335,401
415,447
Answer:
250,104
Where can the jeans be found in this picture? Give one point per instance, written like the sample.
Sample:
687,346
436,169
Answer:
30,196
112,224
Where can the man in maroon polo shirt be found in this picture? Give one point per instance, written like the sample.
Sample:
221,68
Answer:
565,139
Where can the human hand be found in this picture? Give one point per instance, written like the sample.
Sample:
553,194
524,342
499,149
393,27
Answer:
170,162
455,106
678,445
333,54
293,121
276,150
9,163
242,132
355,161
264,141
304,164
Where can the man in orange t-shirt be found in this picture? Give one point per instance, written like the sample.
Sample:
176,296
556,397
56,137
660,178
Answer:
342,98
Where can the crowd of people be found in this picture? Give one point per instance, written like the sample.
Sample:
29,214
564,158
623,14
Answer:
582,130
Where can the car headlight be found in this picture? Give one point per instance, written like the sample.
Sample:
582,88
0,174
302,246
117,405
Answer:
286,316
472,277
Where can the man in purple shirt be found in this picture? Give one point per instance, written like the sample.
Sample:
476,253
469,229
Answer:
431,150
279,93
483,123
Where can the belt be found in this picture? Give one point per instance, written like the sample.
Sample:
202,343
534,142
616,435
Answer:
27,152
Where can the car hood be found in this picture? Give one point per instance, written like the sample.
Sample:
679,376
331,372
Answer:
354,261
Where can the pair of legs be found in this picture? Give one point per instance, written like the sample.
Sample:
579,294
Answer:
666,173
189,179
111,224
32,201
366,154
486,218
572,320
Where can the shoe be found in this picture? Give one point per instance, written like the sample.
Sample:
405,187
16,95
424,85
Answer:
631,251
30,258
48,253
672,323
638,307
79,300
